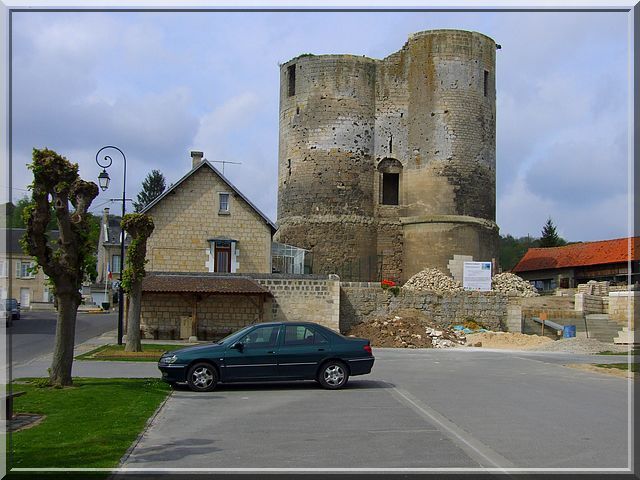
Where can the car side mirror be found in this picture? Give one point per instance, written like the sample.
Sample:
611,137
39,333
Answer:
238,346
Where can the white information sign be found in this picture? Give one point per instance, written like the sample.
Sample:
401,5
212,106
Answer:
477,276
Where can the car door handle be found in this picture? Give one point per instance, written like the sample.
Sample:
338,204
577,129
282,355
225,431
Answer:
321,349
271,351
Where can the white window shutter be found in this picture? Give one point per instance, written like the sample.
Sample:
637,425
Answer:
17,268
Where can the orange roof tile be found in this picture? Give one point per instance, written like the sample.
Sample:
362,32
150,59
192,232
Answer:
580,255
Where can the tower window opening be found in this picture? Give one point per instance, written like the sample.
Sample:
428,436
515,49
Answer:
486,83
390,143
291,71
390,188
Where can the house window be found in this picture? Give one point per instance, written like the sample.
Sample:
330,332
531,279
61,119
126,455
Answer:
25,269
115,263
222,257
291,70
224,202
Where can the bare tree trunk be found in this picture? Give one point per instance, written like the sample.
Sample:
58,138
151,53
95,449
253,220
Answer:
133,318
60,373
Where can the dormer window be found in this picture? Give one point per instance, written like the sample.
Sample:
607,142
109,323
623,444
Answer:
224,203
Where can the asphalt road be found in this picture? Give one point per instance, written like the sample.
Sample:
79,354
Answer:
33,335
419,409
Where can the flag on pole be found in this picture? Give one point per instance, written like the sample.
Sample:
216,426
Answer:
109,274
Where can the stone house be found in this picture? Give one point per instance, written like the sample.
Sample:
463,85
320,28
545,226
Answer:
18,277
208,236
108,258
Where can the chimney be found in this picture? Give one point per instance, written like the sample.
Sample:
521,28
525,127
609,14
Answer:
196,158
105,216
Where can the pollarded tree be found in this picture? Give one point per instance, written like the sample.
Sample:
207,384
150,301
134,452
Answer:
140,227
56,184
152,187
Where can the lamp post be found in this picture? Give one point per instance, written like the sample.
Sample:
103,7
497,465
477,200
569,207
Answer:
103,181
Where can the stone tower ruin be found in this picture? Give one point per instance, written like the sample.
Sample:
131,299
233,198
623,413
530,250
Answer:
386,167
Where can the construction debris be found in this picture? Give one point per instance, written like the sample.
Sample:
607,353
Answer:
433,280
407,328
513,285
512,341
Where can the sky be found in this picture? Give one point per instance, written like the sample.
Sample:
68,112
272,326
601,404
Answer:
160,84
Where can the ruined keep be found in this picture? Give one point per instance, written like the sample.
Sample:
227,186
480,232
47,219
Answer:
389,165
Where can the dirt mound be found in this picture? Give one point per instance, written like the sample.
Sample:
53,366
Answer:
407,328
513,285
432,279
507,340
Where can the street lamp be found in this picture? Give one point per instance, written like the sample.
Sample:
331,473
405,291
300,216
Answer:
103,180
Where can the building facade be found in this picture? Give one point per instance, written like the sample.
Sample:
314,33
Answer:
616,261
20,276
386,167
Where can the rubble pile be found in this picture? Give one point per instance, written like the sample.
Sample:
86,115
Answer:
407,328
432,279
513,285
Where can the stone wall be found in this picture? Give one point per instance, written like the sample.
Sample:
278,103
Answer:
303,300
624,307
363,301
588,304
189,216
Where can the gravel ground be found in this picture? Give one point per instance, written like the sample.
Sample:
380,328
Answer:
581,345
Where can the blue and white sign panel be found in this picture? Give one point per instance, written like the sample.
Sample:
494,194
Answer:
477,276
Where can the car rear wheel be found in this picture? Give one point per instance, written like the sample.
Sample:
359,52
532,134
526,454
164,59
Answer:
202,377
333,375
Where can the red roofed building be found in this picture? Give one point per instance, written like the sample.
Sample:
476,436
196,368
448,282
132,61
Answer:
568,266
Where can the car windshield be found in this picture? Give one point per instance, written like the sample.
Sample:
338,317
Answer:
233,335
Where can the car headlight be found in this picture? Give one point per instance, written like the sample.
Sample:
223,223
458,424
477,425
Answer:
169,359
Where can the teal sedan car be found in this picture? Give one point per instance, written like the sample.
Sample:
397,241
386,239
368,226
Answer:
268,352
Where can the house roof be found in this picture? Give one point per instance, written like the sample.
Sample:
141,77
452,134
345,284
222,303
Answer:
114,230
13,236
580,255
201,283
200,165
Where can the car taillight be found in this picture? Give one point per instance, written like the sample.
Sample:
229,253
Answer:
367,348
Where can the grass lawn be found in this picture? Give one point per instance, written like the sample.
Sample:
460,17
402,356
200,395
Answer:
89,425
150,353
620,366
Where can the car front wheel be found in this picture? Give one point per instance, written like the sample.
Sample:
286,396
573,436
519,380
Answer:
202,377
333,375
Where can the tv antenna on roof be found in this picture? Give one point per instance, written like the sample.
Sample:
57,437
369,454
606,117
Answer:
223,163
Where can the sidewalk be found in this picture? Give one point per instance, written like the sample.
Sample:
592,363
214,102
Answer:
101,369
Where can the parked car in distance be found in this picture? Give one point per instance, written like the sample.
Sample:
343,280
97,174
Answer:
268,352
5,313
12,306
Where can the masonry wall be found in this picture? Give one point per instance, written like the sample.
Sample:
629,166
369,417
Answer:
185,220
303,300
624,307
363,301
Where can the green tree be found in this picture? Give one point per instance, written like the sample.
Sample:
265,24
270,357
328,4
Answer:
550,237
152,187
56,184
139,226
513,249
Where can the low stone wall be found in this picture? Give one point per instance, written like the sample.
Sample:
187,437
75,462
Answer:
303,299
588,304
624,306
362,302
